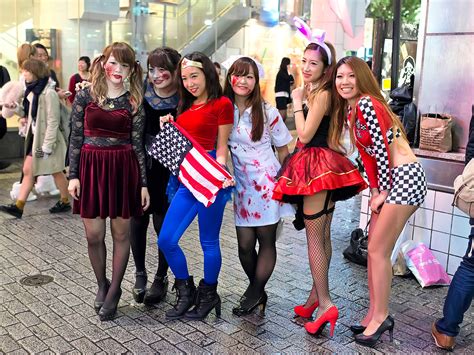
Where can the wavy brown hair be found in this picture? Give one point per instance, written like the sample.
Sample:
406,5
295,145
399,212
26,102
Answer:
242,67
122,53
367,85
36,67
24,52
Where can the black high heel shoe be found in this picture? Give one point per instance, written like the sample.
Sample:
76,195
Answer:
247,306
109,313
357,329
98,303
139,292
371,340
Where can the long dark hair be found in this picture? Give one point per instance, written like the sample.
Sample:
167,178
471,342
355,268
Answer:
242,67
367,85
213,87
285,61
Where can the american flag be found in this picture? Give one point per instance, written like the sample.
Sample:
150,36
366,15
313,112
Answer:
185,158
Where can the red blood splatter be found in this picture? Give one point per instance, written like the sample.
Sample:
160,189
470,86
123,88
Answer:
109,69
257,186
250,201
274,122
265,196
234,79
244,213
257,215
256,163
165,76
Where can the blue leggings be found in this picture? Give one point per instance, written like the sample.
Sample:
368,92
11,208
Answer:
181,213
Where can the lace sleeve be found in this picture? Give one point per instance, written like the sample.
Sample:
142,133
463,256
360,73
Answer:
138,128
77,132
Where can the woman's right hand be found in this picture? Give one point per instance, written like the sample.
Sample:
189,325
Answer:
163,119
297,95
22,121
74,188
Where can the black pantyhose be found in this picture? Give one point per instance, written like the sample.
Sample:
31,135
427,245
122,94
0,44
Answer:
138,241
258,266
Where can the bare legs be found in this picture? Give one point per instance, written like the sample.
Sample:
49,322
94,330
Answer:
383,234
28,179
61,183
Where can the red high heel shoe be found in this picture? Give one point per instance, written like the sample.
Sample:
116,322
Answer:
306,312
316,327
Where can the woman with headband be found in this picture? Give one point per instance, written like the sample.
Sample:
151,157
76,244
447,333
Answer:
315,176
107,164
207,117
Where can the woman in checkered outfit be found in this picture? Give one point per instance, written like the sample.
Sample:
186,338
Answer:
396,179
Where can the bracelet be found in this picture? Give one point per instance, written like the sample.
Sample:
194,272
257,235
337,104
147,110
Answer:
297,111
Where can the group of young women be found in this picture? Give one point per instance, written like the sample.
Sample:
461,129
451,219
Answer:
115,119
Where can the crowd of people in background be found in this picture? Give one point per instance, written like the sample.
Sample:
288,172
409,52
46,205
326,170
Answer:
116,114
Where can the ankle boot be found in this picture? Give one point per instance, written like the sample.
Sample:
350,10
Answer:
207,299
157,291
185,296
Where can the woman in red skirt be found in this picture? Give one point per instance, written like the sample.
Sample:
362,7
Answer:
315,176
107,164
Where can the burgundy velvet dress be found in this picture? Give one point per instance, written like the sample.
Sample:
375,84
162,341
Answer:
106,155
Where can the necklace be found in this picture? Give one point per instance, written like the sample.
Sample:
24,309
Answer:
111,99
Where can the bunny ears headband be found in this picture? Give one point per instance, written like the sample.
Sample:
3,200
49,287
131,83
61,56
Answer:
314,36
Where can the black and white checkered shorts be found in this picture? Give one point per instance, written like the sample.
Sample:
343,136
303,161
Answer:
408,185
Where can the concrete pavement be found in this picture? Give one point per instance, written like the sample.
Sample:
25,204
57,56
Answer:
59,317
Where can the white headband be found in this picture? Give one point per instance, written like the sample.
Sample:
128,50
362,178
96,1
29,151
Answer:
314,36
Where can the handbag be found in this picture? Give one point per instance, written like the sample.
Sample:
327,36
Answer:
464,190
357,249
435,132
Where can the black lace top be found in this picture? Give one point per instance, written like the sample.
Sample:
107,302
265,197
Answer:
113,124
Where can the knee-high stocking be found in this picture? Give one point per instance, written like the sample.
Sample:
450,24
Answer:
162,263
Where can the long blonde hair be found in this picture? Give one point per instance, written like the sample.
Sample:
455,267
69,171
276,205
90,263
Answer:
123,53
367,85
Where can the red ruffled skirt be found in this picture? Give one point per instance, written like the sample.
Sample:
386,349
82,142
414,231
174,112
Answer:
310,170
110,183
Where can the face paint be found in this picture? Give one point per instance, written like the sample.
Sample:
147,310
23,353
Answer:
109,69
234,79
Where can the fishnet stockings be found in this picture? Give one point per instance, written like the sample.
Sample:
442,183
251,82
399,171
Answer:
318,233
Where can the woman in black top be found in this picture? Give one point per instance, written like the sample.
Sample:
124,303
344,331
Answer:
160,98
283,83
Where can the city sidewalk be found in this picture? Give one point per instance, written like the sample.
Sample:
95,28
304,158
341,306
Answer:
59,317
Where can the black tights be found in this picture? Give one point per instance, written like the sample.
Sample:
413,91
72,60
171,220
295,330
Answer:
258,266
138,232
95,234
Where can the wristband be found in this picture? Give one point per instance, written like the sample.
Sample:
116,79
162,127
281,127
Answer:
297,111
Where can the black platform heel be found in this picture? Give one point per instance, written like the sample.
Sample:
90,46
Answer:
106,314
98,303
247,306
139,292
371,340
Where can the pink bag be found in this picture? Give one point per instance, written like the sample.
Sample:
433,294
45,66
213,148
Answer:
423,264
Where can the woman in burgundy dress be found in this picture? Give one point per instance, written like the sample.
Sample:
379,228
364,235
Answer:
107,164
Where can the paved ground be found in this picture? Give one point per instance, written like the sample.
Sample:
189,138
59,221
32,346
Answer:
58,317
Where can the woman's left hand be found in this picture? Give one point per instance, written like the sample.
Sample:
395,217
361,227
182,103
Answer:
297,94
145,198
228,182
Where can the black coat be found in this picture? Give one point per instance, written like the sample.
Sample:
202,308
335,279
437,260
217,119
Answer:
470,143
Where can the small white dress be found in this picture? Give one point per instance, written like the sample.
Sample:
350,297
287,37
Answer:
255,168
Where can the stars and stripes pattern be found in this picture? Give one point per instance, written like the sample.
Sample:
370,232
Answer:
186,159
